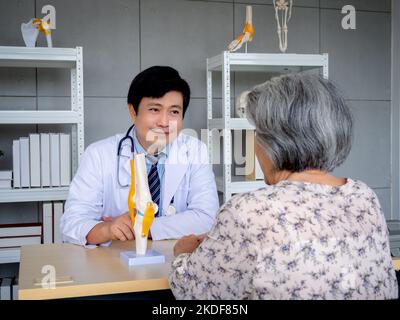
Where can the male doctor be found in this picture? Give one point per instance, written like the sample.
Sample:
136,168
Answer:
180,178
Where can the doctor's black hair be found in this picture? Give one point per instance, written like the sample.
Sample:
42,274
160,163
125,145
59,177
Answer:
155,82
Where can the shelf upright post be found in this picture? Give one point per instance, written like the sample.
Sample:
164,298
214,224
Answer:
209,113
226,114
325,67
77,134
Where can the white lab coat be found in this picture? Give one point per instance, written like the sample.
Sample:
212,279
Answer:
95,193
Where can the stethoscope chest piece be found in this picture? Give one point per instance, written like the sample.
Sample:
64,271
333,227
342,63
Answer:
171,210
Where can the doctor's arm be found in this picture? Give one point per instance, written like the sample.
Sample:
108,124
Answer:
82,222
200,214
119,228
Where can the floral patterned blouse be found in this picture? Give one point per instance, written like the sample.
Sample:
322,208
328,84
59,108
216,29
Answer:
292,240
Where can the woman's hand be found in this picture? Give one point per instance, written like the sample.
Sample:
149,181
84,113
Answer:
188,244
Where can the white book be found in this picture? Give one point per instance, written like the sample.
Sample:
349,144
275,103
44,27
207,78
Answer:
5,184
19,241
19,230
16,165
24,161
6,175
34,156
54,159
58,209
47,222
65,159
10,255
45,159
15,288
5,289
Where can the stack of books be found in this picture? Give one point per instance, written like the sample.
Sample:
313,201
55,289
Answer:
5,179
47,231
52,212
42,160
9,288
16,235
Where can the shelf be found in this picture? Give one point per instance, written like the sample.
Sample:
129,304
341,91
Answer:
239,185
10,255
38,57
33,194
38,117
234,124
227,62
268,62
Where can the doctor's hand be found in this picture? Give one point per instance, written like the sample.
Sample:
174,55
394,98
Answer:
187,244
120,228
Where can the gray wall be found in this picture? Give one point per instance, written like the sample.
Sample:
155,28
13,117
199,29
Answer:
395,108
120,38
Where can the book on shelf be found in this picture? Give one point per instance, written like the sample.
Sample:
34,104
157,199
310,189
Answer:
11,242
21,229
5,184
6,175
15,288
34,159
16,165
10,255
65,159
5,289
45,159
58,209
54,159
47,212
24,161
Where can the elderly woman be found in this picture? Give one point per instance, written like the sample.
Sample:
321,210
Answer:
308,234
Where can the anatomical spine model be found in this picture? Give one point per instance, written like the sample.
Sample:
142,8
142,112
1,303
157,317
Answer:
247,34
139,198
285,11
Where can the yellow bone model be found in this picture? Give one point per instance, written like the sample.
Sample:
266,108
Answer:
148,218
131,196
247,34
42,26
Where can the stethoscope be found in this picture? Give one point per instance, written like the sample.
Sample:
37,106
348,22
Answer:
171,208
126,137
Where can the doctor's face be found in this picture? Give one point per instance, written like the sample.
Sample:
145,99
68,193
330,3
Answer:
158,120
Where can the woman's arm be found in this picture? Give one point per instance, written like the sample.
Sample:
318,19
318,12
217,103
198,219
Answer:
222,265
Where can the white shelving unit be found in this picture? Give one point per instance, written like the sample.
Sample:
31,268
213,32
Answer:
226,63
69,58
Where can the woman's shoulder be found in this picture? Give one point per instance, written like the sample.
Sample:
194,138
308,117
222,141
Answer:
243,204
296,194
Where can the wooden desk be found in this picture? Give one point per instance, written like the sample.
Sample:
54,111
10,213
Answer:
93,272
396,263
89,272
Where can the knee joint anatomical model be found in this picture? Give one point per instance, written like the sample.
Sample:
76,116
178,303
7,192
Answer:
141,207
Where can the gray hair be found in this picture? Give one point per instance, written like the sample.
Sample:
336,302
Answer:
301,121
